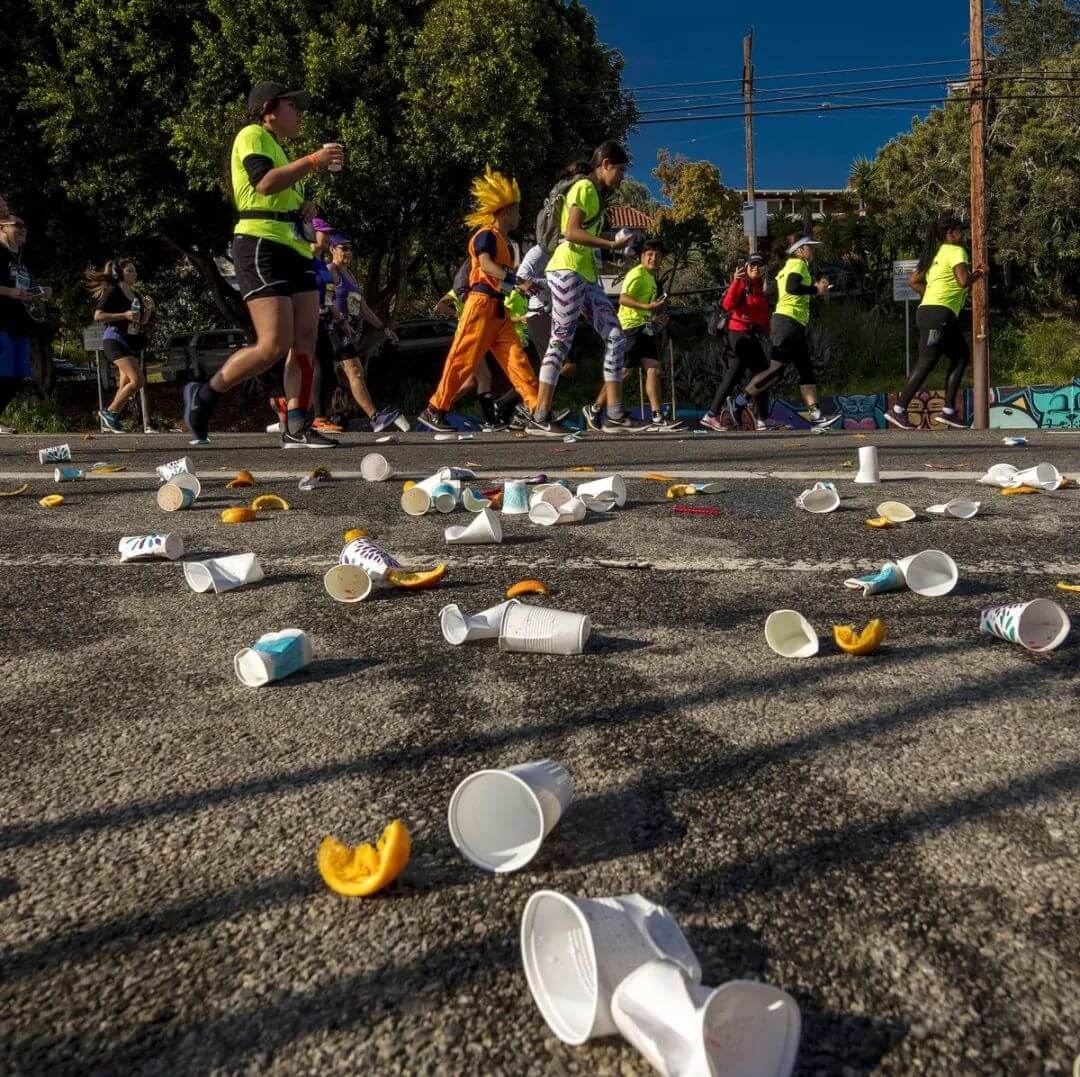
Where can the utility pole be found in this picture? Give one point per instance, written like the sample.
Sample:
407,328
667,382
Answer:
748,124
980,324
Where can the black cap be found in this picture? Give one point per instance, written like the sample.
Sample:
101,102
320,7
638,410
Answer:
755,260
262,92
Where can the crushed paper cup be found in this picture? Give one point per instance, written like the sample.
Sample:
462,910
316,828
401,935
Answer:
372,558
544,514
402,424
1014,442
515,498
146,547
613,484
55,454
887,578
175,467
1003,475
273,656
472,501
222,573
551,493
604,501
573,512
1041,476
959,507
931,573
348,583
576,951
896,511
172,497
498,819
868,473
818,500
529,629
455,474
483,527
459,627
374,467
1038,625
791,635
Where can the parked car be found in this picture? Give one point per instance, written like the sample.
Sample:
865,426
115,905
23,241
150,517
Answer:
64,370
200,355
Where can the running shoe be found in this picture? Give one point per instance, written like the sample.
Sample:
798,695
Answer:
561,416
496,426
383,420
711,422
487,408
326,426
308,438
111,421
761,426
591,414
825,422
899,420
520,418
548,427
625,425
5,429
667,425
949,420
196,415
434,420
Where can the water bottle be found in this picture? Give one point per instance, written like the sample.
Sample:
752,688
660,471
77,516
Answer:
136,316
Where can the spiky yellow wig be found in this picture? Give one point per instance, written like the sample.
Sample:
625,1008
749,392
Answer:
492,191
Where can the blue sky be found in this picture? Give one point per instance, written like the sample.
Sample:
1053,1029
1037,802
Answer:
688,40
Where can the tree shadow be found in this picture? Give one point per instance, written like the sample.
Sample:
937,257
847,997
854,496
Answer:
842,1044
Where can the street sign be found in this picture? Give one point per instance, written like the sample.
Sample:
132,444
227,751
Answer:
758,215
902,292
93,336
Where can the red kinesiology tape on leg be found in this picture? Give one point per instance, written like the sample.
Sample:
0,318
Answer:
307,377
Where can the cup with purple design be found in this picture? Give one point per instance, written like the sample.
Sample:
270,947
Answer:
150,547
373,559
1038,625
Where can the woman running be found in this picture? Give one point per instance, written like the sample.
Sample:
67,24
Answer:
126,311
272,254
943,278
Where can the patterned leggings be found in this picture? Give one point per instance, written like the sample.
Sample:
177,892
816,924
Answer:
572,296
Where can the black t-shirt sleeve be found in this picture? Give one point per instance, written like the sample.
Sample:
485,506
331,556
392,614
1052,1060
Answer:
113,300
794,286
256,165
485,244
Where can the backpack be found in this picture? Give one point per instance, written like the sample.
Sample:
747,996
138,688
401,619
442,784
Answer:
717,321
549,219
461,285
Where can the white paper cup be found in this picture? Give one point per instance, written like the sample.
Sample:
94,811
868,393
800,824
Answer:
499,818
416,501
373,559
55,454
573,512
374,467
613,484
402,424
68,474
1003,475
602,502
172,498
791,635
515,498
681,1028
187,481
544,514
222,573
334,146
483,527
347,583
931,573
959,507
868,473
273,657
147,547
576,951
896,511
175,467
818,500
541,630
459,627
457,475
550,493
472,501
1038,625
1041,476
444,497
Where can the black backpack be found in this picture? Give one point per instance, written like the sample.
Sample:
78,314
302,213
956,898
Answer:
549,219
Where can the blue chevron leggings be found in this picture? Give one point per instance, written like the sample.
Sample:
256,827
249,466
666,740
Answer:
571,297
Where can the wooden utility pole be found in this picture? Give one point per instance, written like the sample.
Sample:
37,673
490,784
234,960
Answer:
748,124
980,323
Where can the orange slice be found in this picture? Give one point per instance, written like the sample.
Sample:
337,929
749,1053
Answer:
583,467
354,533
1063,586
408,484
657,476
15,493
527,587
865,642
51,501
365,870
1020,490
243,479
237,516
880,521
271,503
415,581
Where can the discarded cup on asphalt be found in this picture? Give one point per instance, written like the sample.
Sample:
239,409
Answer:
222,573
187,481
444,497
550,493
1038,625
602,502
175,467
868,473
499,818
818,500
685,1030
67,474
455,474
273,656
55,454
540,630
172,498
373,559
416,501
483,527
1014,442
374,467
348,583
515,498
613,484
402,424
459,627
1003,475
146,547
959,507
472,501
930,573
791,635
543,513
896,511
573,512
576,951
887,578
1041,476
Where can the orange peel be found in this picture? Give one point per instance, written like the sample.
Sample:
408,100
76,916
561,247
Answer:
1063,586
238,516
354,533
880,522
15,493
243,479
658,476
365,870
415,580
270,503
527,587
865,642
1020,490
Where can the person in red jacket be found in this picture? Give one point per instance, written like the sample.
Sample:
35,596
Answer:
747,339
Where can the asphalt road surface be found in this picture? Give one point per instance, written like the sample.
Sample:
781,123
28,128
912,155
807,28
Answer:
891,839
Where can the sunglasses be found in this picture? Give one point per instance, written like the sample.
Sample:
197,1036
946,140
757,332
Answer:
342,247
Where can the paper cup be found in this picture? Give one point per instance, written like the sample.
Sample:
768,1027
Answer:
1003,475
67,474
868,473
573,512
791,635
334,146
499,818
373,559
931,573
1041,476
147,547
459,627
55,454
175,467
187,481
374,467
1038,625
484,527
416,501
550,493
540,630
602,502
818,500
544,514
444,497
576,951
472,501
222,573
273,657
458,475
896,511
347,583
172,498
402,424
613,484
959,507
515,498
680,1027
887,578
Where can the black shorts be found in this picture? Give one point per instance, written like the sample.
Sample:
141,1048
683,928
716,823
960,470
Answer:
640,345
265,268
790,345
114,350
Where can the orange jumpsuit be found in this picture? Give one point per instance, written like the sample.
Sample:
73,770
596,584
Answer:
484,327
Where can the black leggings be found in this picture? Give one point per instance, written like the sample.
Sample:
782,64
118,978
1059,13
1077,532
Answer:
747,353
940,333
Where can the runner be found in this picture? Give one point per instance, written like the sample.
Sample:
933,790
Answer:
345,332
637,303
16,295
747,340
789,334
273,264
126,310
572,277
943,278
484,325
